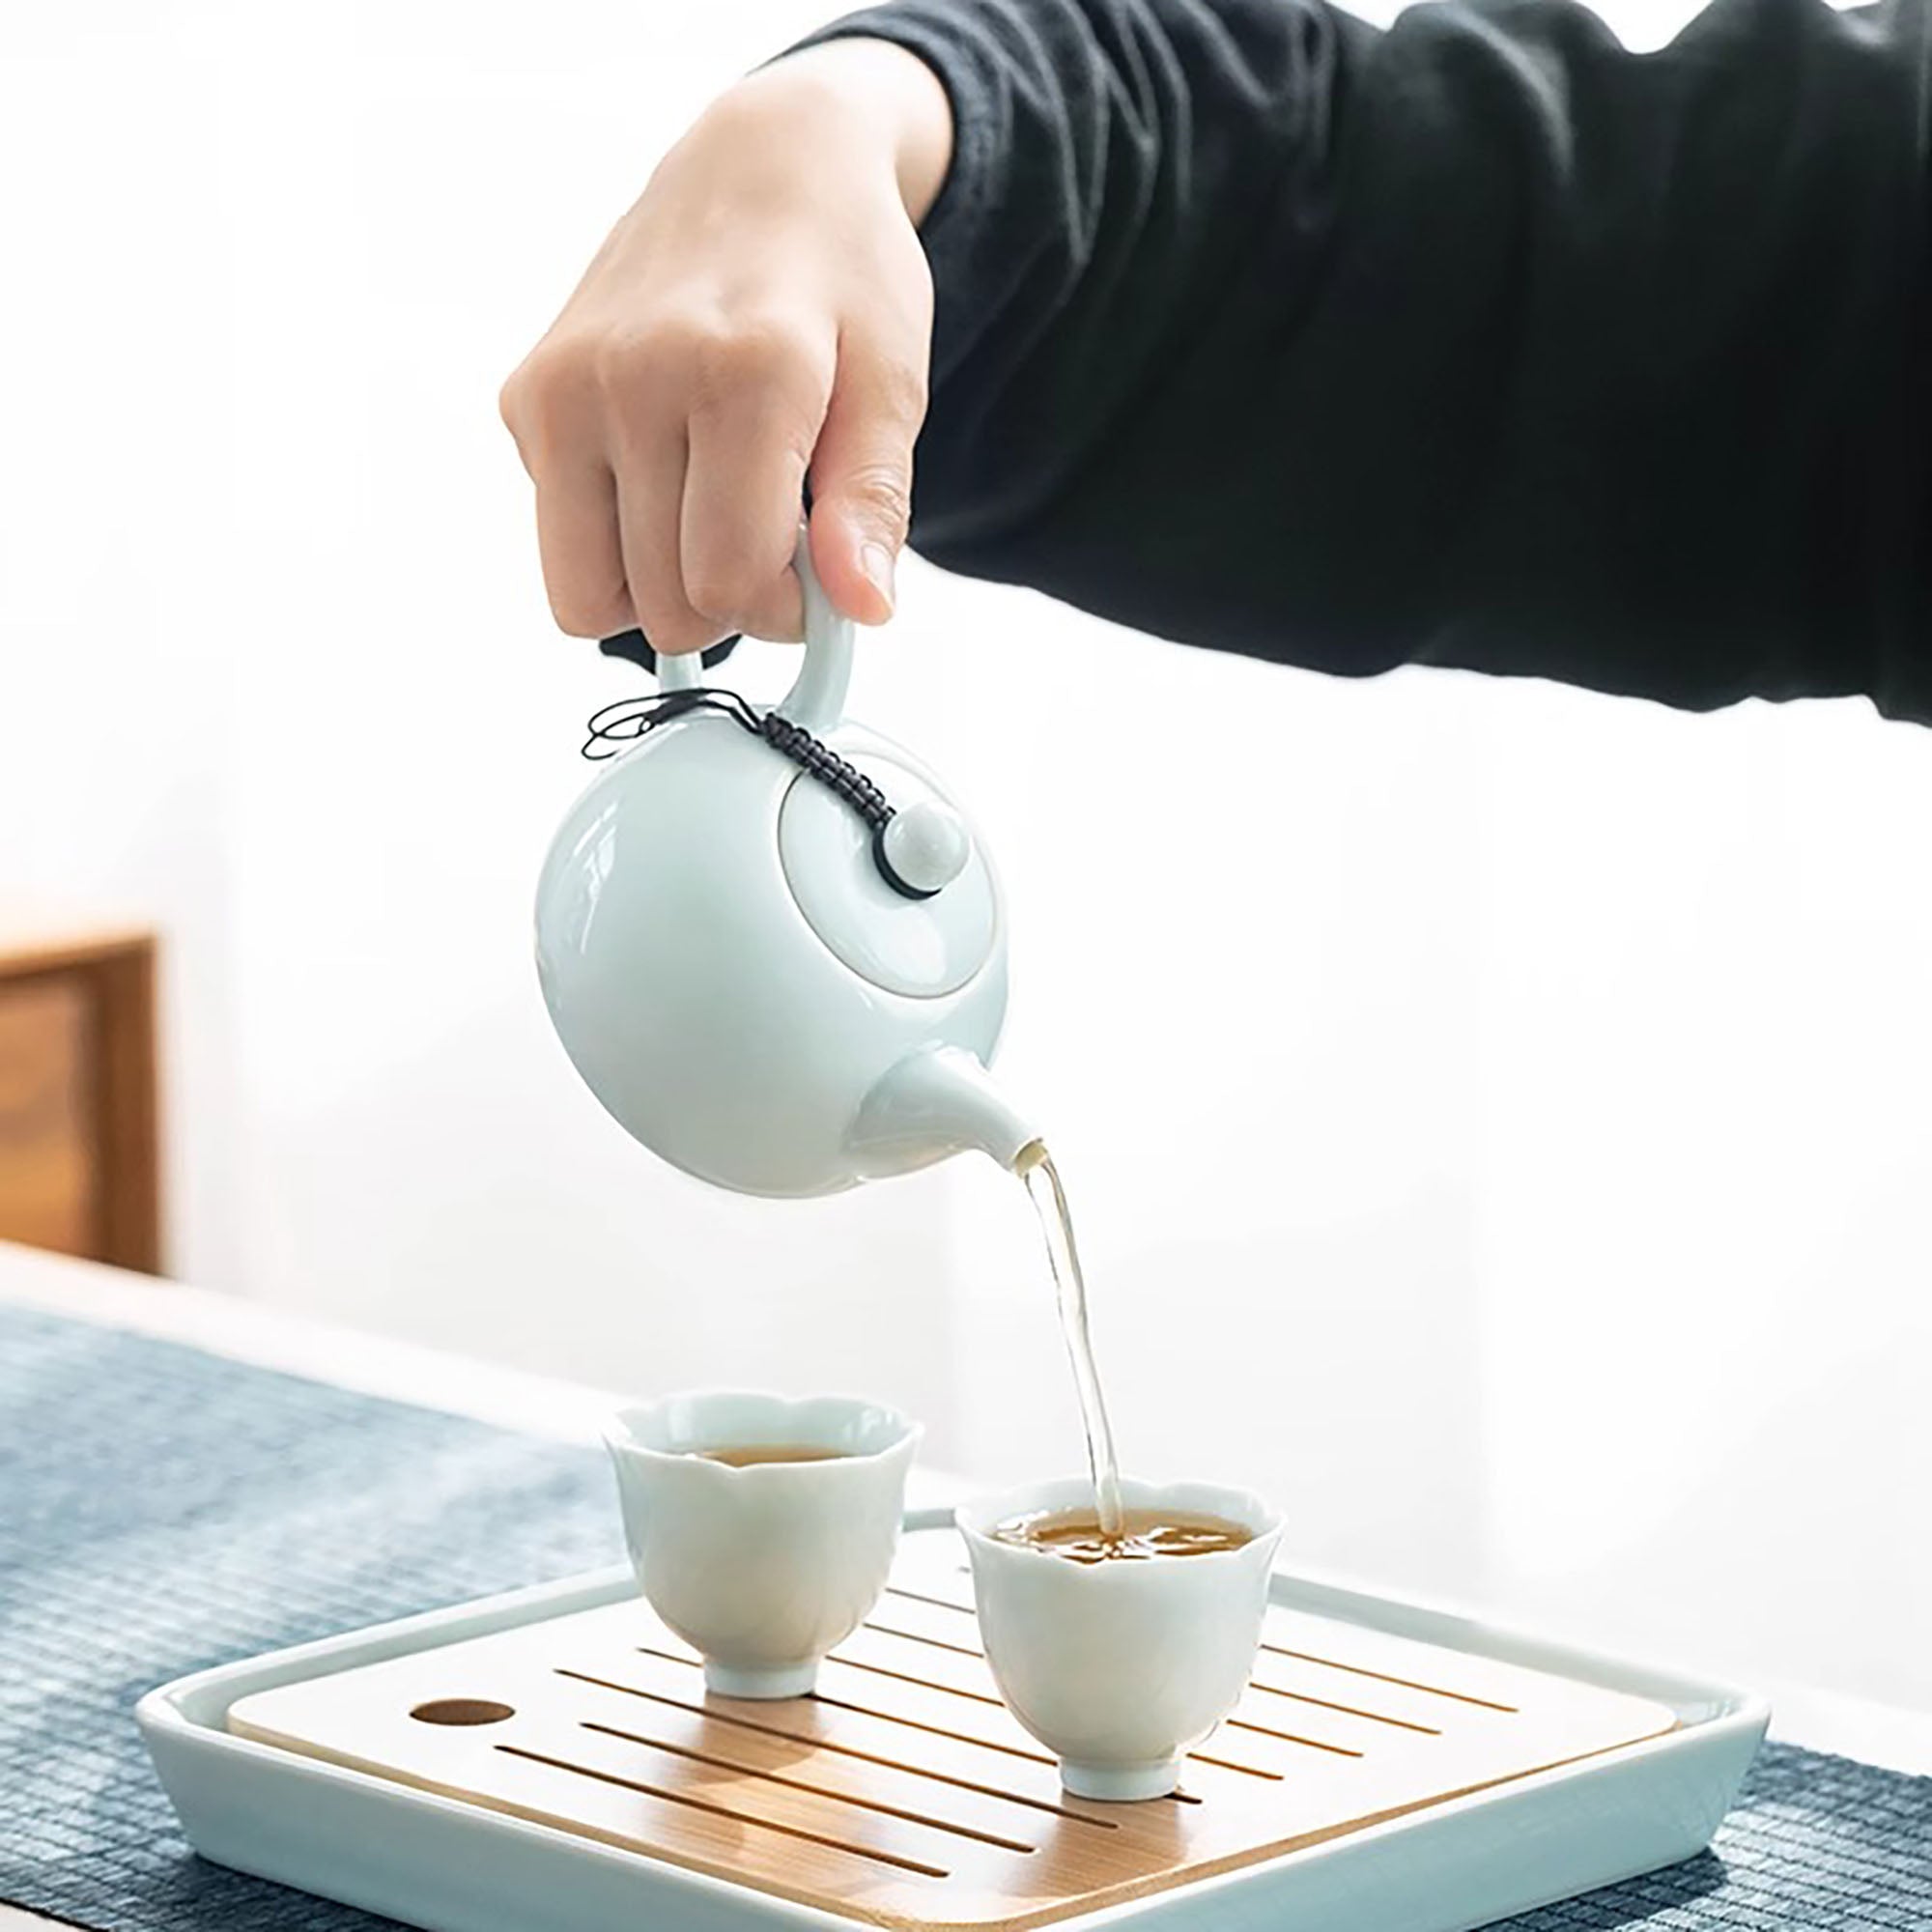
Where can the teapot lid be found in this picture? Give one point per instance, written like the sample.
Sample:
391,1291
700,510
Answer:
848,876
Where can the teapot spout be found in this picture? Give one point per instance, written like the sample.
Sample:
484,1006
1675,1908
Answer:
937,1101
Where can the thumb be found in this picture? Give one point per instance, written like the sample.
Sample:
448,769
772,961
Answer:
861,481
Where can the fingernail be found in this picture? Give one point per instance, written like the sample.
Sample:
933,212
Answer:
876,561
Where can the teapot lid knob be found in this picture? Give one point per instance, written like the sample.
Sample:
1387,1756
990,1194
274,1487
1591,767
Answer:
922,850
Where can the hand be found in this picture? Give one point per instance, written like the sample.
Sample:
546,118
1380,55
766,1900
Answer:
764,312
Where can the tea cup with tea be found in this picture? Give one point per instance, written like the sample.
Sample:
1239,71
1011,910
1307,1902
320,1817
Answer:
1121,1655
761,1528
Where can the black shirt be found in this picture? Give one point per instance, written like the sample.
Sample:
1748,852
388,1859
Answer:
1480,341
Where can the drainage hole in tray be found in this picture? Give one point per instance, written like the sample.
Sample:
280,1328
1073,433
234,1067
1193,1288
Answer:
463,1711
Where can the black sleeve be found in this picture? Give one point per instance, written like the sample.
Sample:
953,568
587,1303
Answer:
1479,342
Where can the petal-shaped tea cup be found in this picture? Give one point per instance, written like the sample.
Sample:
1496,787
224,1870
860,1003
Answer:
761,1568
1121,1667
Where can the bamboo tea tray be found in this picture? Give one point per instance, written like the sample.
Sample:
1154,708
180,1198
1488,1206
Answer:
549,1760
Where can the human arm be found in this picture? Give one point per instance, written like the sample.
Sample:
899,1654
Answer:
1480,342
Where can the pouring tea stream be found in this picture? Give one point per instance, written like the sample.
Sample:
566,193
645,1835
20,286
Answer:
775,948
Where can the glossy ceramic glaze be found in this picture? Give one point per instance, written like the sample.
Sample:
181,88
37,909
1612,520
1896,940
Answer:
1120,1669
761,1568
736,979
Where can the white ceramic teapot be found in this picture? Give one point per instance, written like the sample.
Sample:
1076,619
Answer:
772,944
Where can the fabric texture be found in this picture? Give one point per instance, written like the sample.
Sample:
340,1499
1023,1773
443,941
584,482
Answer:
163,1510
1478,342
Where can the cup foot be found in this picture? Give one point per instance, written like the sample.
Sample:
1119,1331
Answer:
786,1680
1119,1783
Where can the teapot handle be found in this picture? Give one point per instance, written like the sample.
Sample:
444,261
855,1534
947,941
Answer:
682,671
816,701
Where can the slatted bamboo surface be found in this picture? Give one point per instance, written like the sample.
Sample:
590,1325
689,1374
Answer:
903,1794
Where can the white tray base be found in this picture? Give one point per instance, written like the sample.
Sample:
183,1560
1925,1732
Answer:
448,1863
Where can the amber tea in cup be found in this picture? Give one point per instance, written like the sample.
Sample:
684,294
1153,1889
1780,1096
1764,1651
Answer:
1144,1534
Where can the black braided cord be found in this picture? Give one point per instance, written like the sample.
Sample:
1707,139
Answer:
631,718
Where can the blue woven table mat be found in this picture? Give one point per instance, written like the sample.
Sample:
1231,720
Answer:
162,1509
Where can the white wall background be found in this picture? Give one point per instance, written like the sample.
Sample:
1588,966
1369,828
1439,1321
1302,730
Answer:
1498,1116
